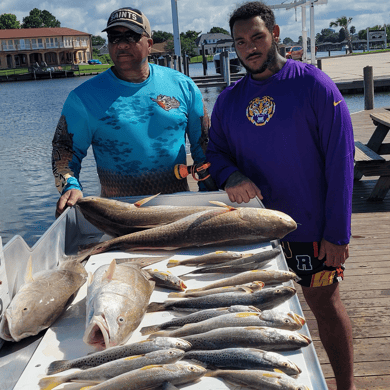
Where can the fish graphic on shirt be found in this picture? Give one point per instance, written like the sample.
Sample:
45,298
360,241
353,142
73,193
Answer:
166,102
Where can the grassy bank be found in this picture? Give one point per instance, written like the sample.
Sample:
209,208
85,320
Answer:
82,69
198,59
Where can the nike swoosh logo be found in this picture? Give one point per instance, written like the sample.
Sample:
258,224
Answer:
337,103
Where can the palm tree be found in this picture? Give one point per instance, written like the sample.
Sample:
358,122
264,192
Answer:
343,22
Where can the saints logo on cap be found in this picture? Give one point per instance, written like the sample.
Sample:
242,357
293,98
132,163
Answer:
130,18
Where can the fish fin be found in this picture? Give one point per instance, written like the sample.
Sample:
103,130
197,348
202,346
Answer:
109,274
90,278
247,289
155,306
49,383
195,361
216,202
176,295
254,308
259,283
57,366
161,333
191,290
173,263
149,329
145,200
28,278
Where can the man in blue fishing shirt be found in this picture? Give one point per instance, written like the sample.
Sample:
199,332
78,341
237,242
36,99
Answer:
136,116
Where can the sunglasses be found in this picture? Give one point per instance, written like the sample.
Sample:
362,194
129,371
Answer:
127,36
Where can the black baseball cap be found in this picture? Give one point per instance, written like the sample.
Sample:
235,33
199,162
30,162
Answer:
131,18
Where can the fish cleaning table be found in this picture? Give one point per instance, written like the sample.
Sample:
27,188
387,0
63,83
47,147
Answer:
23,364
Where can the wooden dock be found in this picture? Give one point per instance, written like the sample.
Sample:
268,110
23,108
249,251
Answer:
346,71
366,288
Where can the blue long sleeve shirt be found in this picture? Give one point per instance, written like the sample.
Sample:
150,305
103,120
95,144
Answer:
137,132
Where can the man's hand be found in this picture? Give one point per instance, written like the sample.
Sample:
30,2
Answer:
241,189
66,200
335,254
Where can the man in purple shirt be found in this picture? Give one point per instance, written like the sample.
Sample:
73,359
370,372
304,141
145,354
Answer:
284,133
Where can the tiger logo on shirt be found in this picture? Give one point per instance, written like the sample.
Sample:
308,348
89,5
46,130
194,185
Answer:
260,110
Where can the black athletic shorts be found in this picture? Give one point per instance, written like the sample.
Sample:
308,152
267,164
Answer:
302,258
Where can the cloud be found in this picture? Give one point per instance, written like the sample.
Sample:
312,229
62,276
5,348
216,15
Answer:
199,15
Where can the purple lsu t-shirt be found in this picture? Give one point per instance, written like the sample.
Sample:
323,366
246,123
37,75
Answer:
291,134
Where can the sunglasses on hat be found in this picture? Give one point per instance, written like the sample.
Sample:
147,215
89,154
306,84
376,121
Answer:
127,36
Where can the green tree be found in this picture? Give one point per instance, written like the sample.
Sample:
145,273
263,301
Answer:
187,43
97,40
8,21
161,36
216,30
344,22
38,18
287,41
342,35
191,34
327,35
352,30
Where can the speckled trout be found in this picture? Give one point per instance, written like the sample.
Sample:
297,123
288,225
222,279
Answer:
271,318
212,258
244,358
246,263
266,276
269,339
113,353
114,368
166,279
249,287
224,225
118,218
198,316
262,299
258,379
153,376
240,259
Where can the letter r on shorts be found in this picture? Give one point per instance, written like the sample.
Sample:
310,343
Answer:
304,263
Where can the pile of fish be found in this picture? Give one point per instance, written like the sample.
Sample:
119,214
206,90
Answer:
234,332
232,328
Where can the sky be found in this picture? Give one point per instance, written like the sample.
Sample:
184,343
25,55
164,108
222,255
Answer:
200,15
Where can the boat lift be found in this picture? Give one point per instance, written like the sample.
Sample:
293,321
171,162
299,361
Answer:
303,4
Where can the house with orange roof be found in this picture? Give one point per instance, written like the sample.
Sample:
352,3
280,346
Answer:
46,46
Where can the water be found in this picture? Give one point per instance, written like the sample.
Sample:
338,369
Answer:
29,114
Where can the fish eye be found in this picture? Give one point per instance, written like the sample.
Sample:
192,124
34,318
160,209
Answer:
192,368
25,309
121,320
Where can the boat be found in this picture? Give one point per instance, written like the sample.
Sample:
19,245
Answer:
235,64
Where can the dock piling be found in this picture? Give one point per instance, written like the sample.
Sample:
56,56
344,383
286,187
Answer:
368,87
